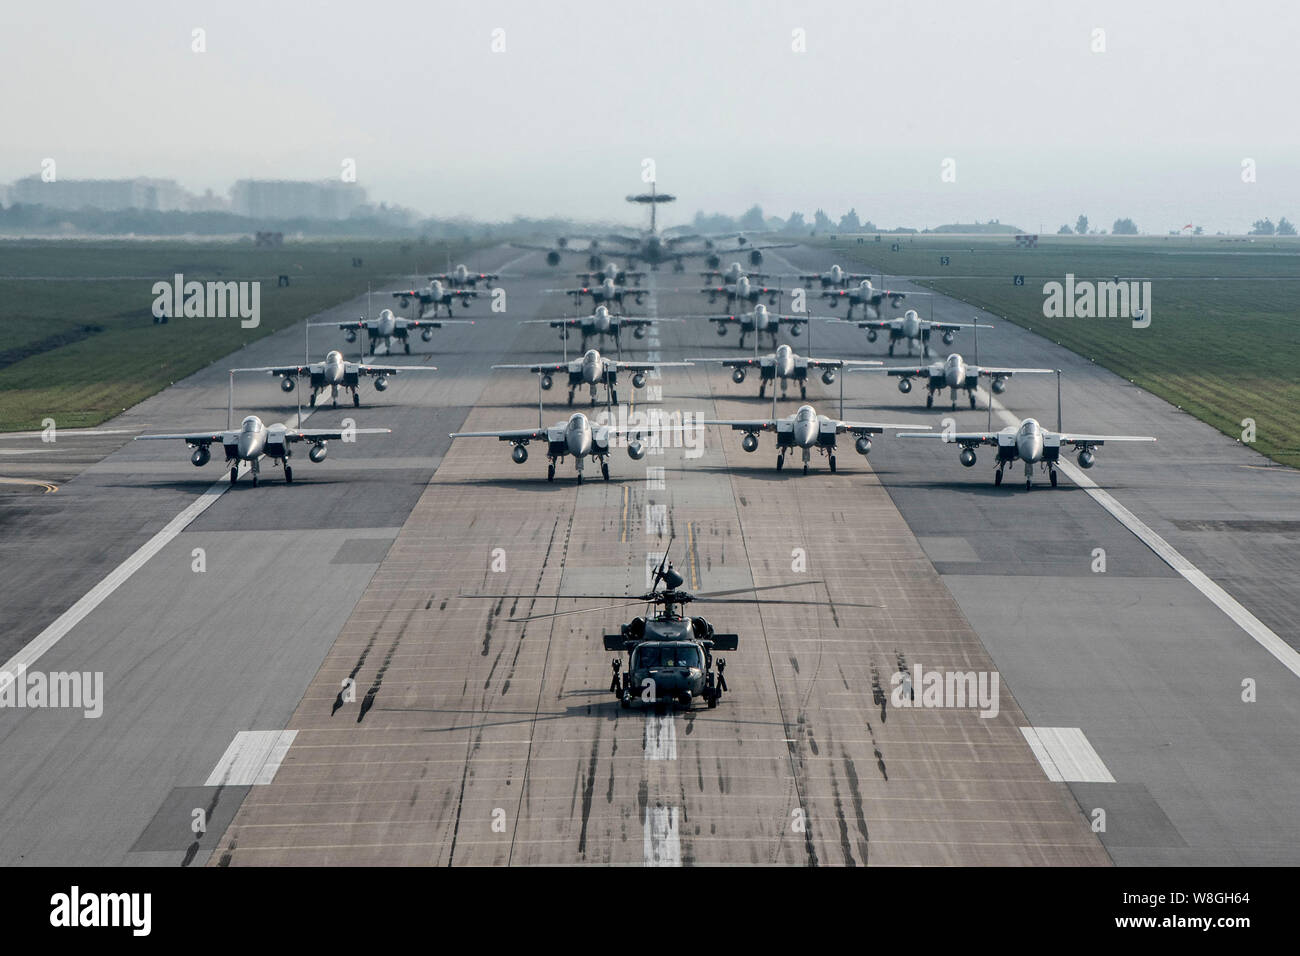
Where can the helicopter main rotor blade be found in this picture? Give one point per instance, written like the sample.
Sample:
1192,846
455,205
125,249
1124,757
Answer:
556,597
791,603
710,595
580,610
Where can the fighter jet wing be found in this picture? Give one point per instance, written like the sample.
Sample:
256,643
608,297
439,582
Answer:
430,323
390,369
900,371
195,438
638,320
743,362
958,438
852,365
522,434
745,425
1077,439
870,428
314,369
879,324
955,327
647,366
548,367
986,370
322,434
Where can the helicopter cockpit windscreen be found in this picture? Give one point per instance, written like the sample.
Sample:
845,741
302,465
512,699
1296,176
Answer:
669,655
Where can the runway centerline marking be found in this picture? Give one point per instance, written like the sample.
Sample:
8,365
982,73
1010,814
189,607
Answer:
660,737
1260,632
662,845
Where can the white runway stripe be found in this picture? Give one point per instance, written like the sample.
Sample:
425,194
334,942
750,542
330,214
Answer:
1257,629
662,846
1066,755
96,596
660,737
252,758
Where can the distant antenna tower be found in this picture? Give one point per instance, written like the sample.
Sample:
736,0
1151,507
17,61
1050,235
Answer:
652,199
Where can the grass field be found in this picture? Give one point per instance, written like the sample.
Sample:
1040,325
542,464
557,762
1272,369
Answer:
78,341
1224,339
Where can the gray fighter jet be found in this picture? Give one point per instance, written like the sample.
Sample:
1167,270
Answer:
784,364
577,437
806,431
335,373
255,440
594,369
954,374
389,326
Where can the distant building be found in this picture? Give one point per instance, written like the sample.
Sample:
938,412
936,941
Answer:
288,199
160,195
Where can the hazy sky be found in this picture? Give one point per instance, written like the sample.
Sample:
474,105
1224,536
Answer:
1040,127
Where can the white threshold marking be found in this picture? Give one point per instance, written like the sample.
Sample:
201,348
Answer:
1066,755
1257,629
660,737
662,845
96,596
252,758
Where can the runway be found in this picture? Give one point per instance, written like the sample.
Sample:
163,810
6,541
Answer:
425,728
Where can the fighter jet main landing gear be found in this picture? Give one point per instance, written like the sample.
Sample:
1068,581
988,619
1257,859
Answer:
997,477
234,475
604,470
1052,476
832,464
780,462
288,474
356,400
550,472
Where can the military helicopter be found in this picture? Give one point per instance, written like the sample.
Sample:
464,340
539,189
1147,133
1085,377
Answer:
670,655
